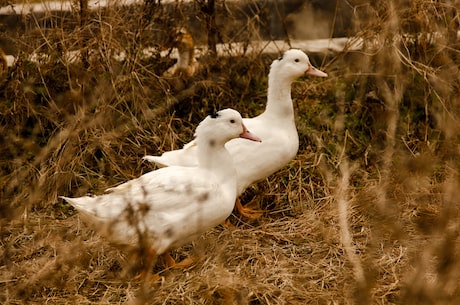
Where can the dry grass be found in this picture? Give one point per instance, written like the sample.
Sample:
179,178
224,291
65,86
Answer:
366,214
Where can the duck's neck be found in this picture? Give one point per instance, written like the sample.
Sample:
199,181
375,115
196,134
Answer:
279,101
214,157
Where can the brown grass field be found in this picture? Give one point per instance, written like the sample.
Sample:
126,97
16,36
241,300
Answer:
367,213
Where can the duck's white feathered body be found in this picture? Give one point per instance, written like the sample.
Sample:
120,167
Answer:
275,126
172,206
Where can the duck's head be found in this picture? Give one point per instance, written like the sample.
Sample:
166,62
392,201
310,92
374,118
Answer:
222,126
293,64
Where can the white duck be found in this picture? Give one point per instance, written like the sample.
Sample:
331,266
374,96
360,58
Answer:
171,206
275,126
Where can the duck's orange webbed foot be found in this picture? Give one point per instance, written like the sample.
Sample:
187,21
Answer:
228,224
247,212
170,263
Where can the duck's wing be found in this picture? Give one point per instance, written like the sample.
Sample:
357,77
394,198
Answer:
159,190
174,180
172,205
187,156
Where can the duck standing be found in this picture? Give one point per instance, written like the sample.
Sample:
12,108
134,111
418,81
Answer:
172,206
275,126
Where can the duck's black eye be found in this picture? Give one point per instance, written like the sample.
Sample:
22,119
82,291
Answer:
297,60
232,121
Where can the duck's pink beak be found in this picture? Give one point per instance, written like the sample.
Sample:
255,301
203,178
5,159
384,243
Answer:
315,72
248,135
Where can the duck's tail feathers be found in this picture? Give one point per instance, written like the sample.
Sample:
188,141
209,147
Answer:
155,159
79,203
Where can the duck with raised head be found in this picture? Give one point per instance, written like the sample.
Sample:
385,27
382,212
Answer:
172,206
275,126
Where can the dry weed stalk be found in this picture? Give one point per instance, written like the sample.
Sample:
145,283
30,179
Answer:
346,237
343,203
